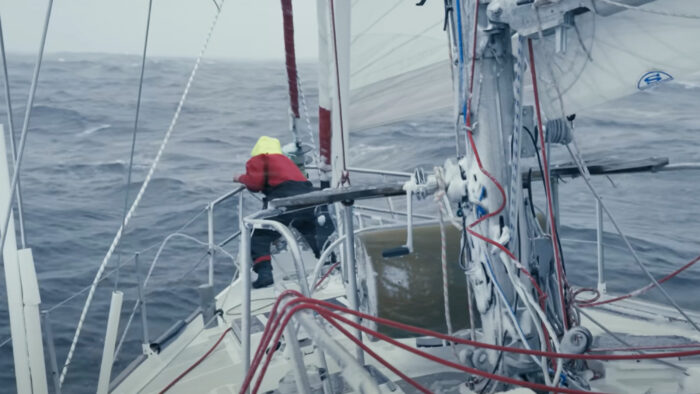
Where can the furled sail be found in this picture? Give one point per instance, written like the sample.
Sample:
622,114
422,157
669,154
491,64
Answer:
609,57
399,61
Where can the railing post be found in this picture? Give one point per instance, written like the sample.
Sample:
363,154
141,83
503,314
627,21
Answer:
602,287
48,329
409,221
142,302
300,376
210,231
115,308
352,272
245,264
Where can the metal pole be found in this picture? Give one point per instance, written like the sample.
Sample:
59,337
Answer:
354,373
210,230
300,376
245,264
50,344
115,309
142,302
409,221
25,126
352,272
13,146
291,244
602,287
554,181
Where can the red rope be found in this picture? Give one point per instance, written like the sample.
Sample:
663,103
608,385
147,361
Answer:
305,303
548,189
193,366
644,289
326,275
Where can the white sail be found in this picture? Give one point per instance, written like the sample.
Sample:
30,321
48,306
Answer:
399,63
617,55
340,51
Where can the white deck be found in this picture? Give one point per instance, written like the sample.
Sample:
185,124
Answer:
222,372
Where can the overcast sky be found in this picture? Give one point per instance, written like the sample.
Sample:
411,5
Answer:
247,29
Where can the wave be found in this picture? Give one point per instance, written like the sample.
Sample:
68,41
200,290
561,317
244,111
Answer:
92,130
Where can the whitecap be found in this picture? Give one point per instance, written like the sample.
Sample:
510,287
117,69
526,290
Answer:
94,129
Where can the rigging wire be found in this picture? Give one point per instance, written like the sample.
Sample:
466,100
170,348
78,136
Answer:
11,132
136,127
138,198
546,178
5,342
17,165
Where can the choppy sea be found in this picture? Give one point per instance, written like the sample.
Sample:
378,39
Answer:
77,155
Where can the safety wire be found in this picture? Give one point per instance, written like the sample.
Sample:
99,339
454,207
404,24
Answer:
138,198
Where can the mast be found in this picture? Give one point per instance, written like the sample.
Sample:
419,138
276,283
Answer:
503,297
493,68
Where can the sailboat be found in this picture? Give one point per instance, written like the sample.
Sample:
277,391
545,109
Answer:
464,240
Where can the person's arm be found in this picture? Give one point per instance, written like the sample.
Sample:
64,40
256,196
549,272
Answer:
254,178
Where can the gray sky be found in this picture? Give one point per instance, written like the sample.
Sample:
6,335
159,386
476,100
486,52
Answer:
250,29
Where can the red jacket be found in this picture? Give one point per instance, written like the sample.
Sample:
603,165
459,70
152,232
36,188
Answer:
267,172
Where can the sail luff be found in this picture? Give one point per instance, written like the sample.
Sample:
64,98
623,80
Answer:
325,65
340,37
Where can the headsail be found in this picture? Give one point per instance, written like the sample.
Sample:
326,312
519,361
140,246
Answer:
399,64
609,57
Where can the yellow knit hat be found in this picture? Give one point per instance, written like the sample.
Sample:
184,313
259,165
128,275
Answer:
266,145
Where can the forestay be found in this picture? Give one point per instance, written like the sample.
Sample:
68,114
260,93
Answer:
617,55
399,61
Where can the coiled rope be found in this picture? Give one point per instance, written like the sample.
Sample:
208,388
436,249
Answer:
138,198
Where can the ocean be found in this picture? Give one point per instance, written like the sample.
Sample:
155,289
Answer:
74,173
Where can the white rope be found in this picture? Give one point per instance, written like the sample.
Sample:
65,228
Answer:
651,11
439,194
136,202
515,182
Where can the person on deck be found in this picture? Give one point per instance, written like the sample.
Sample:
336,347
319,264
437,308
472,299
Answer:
275,175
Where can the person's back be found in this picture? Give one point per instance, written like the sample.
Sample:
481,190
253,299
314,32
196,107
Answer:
271,172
